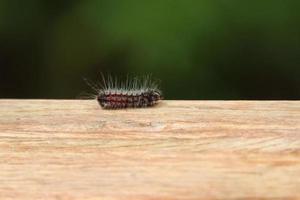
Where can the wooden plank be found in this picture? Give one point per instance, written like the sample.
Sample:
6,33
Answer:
72,149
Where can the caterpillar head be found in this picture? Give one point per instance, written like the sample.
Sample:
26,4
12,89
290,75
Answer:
156,95
101,98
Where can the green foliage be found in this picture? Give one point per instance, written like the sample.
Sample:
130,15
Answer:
199,49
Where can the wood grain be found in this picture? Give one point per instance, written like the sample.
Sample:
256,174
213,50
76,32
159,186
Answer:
72,149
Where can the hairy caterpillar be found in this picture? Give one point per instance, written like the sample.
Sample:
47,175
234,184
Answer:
137,92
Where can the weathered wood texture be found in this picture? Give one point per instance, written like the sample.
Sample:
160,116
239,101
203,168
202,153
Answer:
72,149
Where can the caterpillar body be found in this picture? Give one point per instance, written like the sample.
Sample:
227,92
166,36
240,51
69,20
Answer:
128,99
133,93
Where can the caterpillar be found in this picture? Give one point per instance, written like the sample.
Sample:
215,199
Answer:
135,92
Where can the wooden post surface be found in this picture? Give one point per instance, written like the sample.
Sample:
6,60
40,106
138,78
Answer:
73,149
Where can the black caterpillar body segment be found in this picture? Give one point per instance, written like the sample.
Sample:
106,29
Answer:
136,93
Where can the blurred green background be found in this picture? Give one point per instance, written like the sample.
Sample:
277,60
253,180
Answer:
199,49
